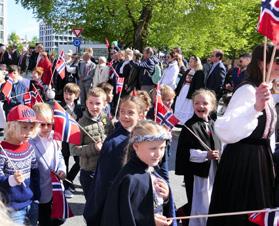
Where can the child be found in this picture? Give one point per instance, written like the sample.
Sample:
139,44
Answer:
111,157
194,161
71,93
146,99
138,195
93,123
50,159
108,88
37,81
18,166
168,96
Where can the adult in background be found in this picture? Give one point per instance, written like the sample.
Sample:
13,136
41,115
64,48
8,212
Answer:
35,57
86,72
245,174
146,67
193,81
171,72
216,76
101,72
11,56
72,70
45,63
22,61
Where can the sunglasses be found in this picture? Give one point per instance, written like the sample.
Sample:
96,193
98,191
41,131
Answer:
46,124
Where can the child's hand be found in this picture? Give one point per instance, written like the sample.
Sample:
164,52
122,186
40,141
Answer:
61,175
162,188
98,146
19,178
213,155
161,220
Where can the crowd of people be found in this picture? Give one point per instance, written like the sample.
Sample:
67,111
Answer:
226,150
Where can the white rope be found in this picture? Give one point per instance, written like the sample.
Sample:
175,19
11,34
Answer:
225,214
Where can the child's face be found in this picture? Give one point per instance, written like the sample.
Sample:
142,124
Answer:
110,97
168,101
45,126
202,106
25,132
129,115
69,98
150,152
95,105
35,76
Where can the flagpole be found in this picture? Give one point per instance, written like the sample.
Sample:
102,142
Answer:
156,106
15,96
271,62
118,102
13,165
264,59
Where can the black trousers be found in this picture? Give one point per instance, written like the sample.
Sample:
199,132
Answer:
44,215
73,172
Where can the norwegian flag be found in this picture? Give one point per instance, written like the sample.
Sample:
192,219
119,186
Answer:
119,84
32,98
27,99
36,97
61,65
164,116
107,43
60,208
65,127
265,219
269,20
7,88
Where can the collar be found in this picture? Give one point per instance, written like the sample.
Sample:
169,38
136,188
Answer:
14,147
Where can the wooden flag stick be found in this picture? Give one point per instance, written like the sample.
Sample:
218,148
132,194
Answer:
264,59
199,139
118,102
16,96
10,161
271,62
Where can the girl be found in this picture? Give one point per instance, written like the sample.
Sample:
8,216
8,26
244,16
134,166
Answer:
192,81
194,161
36,82
19,175
50,159
111,158
245,175
138,195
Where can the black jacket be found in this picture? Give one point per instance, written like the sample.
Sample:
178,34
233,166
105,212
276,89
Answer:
187,141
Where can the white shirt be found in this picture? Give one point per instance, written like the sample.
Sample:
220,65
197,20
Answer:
170,75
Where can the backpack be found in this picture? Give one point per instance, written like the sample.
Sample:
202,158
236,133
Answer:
156,76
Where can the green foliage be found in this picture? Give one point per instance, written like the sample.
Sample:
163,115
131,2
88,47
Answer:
33,41
197,26
14,40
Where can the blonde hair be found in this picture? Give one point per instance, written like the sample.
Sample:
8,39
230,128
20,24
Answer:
97,92
210,94
13,129
166,91
103,59
145,98
72,88
129,52
139,103
43,110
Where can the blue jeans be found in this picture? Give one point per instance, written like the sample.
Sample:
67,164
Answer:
86,179
21,216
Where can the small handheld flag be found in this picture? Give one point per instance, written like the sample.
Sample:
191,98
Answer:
65,127
7,88
61,65
265,218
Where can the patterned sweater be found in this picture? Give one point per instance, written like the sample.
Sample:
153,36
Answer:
24,159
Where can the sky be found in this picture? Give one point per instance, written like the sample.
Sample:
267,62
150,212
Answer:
21,21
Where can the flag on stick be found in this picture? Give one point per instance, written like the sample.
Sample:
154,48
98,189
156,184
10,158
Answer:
61,65
7,88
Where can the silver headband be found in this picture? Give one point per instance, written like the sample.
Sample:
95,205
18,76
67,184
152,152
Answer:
139,138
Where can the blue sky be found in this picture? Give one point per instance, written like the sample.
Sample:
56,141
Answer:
21,21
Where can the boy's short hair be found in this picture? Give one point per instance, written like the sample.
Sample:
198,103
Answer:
72,88
106,87
39,70
97,92
166,91
44,110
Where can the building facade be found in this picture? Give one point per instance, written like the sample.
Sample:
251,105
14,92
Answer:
3,21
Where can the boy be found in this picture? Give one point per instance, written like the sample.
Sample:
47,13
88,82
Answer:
108,88
93,123
71,93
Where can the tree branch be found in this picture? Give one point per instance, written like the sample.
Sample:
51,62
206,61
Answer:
130,15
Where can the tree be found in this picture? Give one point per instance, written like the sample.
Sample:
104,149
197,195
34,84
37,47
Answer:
197,26
33,41
14,40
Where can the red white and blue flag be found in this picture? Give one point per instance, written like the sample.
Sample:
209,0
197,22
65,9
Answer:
269,20
65,127
265,219
32,98
164,116
119,84
7,88
61,65
60,208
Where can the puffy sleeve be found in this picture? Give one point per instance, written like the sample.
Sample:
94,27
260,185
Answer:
240,118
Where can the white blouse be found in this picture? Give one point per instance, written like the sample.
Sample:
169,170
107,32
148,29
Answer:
240,118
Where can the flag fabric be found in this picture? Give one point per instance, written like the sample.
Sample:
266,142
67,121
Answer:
265,219
60,208
7,88
65,127
32,98
269,20
27,99
119,84
164,116
61,65
36,97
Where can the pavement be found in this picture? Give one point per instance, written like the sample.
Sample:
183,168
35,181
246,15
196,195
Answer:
176,183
